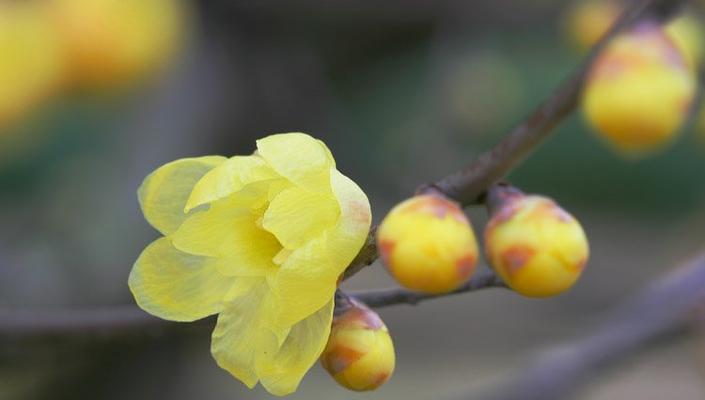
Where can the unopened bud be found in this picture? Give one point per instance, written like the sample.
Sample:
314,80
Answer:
428,245
639,91
535,246
360,353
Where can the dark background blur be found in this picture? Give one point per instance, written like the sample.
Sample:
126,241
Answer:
403,92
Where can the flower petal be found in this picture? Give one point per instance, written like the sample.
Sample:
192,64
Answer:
241,336
300,158
313,270
303,346
229,232
177,286
297,215
164,192
245,344
355,218
228,178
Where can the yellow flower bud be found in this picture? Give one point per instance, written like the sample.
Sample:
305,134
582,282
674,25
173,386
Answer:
587,21
360,353
536,247
428,245
687,32
639,91
115,43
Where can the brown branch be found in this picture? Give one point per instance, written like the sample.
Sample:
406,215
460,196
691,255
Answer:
661,310
389,297
468,185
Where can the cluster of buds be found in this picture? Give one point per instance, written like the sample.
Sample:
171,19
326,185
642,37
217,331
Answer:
537,248
360,353
428,245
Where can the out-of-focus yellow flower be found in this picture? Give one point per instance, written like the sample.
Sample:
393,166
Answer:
535,246
639,91
260,240
360,353
114,43
31,59
428,245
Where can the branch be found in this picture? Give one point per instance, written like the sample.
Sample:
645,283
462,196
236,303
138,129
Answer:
468,185
389,297
125,320
663,309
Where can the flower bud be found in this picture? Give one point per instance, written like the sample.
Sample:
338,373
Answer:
639,91
586,21
360,353
428,245
687,33
536,247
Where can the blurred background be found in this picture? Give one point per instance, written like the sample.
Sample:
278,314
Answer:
402,91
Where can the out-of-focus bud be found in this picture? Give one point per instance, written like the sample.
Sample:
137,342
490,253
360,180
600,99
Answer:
535,246
31,60
113,44
687,32
428,245
360,353
639,91
586,21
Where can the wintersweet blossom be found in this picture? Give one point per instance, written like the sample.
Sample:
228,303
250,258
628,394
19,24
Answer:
260,240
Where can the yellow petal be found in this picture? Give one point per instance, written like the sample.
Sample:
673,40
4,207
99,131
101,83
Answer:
297,215
177,286
308,277
300,158
245,344
228,178
303,346
164,192
241,336
230,233
355,217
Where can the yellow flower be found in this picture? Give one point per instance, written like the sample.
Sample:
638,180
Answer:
115,43
260,240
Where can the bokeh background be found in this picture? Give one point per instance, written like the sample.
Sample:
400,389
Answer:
403,92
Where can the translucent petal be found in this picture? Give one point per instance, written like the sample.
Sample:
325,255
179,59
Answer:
303,346
308,277
245,344
241,336
229,177
230,233
300,158
177,286
164,192
297,215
